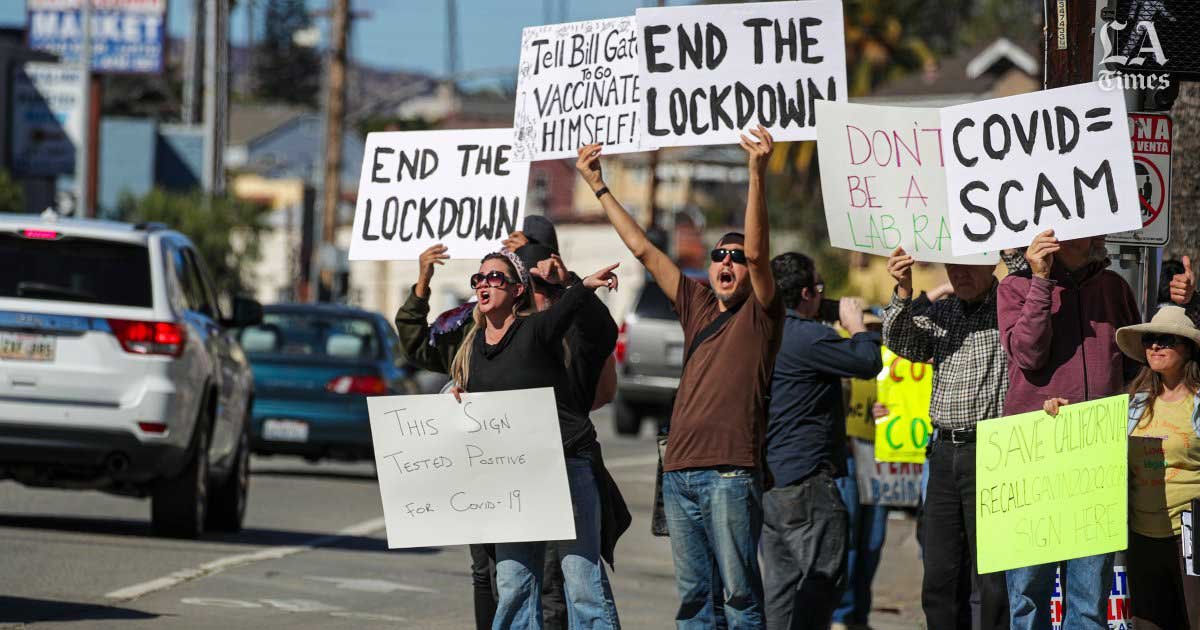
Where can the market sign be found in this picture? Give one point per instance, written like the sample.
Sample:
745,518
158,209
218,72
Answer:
1150,135
127,35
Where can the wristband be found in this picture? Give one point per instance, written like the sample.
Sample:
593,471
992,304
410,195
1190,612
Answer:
600,193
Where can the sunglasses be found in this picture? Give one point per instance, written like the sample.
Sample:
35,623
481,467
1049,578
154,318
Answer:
736,255
493,279
1162,341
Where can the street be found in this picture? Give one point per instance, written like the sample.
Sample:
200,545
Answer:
313,555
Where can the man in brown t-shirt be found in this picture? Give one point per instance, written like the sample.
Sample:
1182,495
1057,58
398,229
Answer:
712,479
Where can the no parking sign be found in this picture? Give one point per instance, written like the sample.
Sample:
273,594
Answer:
1150,135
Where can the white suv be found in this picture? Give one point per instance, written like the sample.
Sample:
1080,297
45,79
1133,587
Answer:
117,372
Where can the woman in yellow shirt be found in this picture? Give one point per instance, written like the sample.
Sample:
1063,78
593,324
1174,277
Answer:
1164,467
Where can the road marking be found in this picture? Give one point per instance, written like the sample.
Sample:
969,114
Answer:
371,586
301,605
366,616
218,602
228,562
631,461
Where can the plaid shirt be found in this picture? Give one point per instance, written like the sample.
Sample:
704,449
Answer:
971,370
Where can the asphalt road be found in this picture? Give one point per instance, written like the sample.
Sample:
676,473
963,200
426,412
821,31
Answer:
313,555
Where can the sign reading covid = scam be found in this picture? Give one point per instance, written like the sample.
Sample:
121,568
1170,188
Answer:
127,35
488,470
1057,159
577,84
1150,135
460,188
711,72
1051,488
883,181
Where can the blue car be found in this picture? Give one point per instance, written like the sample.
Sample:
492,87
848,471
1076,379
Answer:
314,365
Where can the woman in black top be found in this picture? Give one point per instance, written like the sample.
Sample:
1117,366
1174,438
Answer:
511,349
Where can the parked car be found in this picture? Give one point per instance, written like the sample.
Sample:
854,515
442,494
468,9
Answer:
649,359
116,372
314,365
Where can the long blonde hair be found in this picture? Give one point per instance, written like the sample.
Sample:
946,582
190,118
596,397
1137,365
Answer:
460,367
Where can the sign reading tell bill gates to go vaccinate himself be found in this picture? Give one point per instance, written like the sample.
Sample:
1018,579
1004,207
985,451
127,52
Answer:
460,188
577,84
1057,159
1051,488
487,470
711,72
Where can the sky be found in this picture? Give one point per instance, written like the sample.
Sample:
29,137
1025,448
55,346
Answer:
411,34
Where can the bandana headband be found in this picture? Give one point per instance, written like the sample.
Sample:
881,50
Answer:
522,272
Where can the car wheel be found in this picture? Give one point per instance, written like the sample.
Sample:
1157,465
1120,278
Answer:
628,420
227,504
178,506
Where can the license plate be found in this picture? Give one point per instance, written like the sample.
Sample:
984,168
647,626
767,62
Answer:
285,430
23,347
675,355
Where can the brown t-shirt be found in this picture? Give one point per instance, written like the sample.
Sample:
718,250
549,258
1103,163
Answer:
720,415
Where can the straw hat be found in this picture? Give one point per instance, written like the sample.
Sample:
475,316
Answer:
1170,320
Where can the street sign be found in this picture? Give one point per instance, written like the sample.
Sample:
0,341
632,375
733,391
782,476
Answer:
47,118
127,35
1150,135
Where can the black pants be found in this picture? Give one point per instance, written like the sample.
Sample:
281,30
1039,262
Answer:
806,533
1161,593
483,584
947,532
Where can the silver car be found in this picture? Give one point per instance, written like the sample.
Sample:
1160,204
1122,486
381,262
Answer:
649,361
117,372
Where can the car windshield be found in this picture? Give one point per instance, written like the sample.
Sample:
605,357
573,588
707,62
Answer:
75,270
312,335
653,304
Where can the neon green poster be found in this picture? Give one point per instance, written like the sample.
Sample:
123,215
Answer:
1050,489
905,388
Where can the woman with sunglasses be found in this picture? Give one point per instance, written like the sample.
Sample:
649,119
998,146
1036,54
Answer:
1164,466
510,348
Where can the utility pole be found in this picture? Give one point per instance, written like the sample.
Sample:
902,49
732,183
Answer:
216,94
651,214
451,40
334,118
193,80
83,154
1069,42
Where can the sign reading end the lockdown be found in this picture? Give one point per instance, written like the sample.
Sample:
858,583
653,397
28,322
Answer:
488,470
1050,489
711,72
460,188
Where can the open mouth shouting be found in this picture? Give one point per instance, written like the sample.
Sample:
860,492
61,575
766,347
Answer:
726,280
485,296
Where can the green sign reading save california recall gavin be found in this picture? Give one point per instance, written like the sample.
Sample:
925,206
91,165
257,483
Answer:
1051,488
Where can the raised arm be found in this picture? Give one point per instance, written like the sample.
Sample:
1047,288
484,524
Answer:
665,272
1023,309
903,332
758,232
412,324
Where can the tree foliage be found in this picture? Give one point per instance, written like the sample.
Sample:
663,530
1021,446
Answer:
284,71
12,196
226,231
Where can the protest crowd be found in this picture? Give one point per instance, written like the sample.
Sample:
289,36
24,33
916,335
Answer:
766,528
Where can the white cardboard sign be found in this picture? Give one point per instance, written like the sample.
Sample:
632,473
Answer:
885,483
488,470
883,181
1057,159
711,72
460,188
577,84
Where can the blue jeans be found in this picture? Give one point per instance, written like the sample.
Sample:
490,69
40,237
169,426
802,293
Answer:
519,567
1087,585
868,529
715,519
